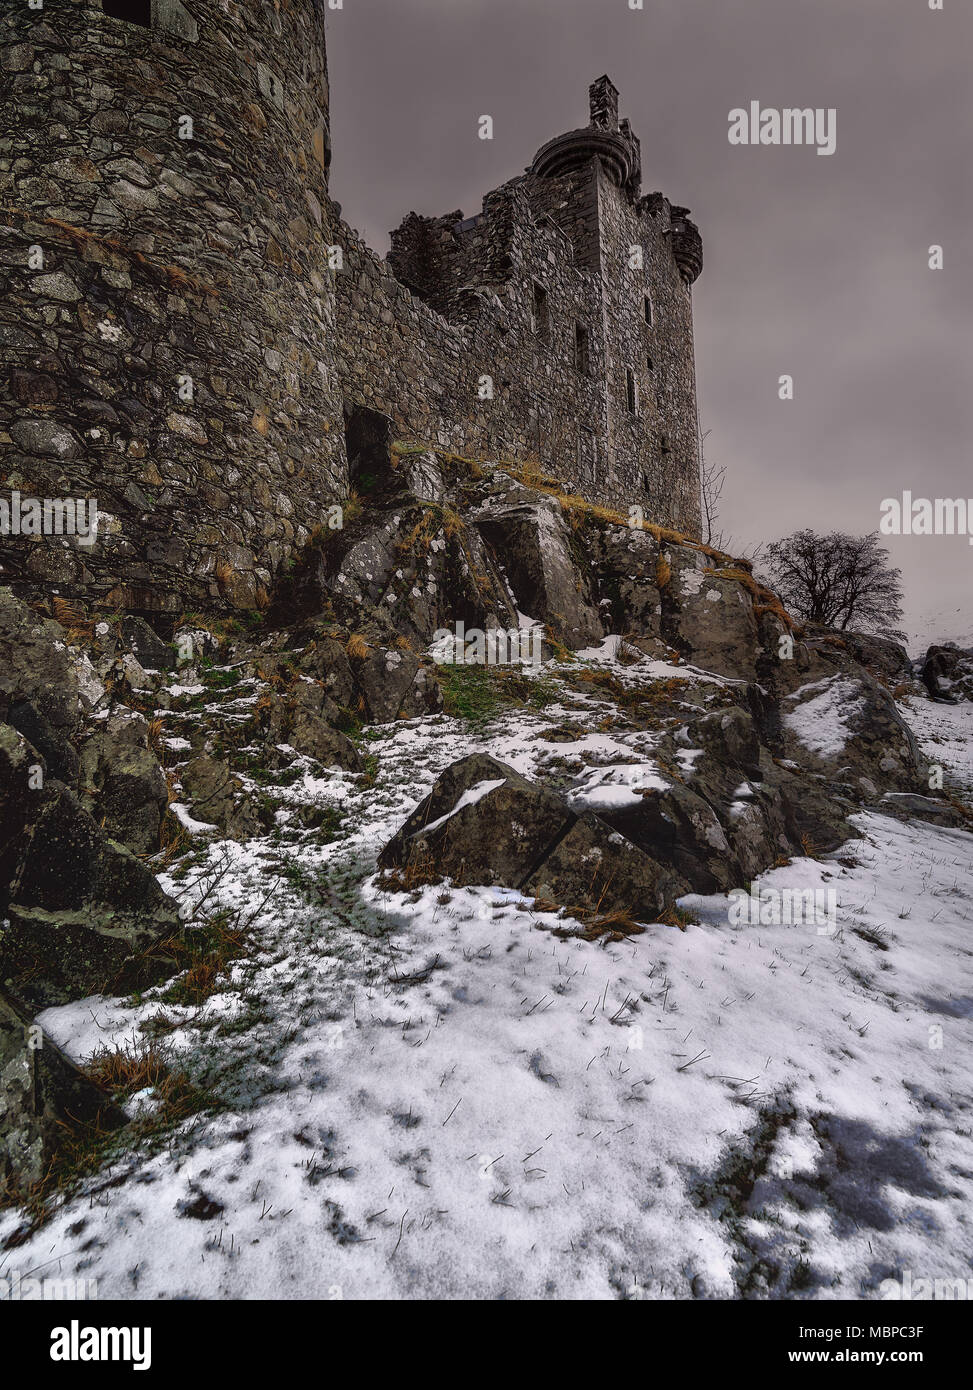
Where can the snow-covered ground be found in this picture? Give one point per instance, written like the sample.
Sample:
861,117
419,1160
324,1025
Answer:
448,1095
949,623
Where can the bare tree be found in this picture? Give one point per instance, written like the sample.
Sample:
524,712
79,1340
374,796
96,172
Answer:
839,581
712,478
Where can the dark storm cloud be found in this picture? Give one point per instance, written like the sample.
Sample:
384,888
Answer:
815,266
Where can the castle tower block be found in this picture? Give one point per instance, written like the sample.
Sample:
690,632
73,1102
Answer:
166,322
646,254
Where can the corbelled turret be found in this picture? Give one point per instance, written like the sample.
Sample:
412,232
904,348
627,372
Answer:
604,138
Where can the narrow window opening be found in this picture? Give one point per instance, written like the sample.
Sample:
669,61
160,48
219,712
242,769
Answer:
631,391
650,364
541,314
649,312
581,355
132,11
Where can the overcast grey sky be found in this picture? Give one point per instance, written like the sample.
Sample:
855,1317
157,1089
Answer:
814,266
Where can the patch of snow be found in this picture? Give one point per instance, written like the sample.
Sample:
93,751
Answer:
469,798
820,720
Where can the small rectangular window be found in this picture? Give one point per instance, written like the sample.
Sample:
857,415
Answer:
631,391
132,11
541,314
649,313
581,358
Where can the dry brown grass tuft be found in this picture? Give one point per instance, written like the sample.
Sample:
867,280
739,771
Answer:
78,627
356,648
127,1070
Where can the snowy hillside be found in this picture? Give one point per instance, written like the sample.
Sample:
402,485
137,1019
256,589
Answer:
446,1093
940,627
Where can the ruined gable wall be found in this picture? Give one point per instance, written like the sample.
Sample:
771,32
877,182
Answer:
573,235
399,356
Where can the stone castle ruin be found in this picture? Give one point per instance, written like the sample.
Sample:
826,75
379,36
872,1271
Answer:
194,338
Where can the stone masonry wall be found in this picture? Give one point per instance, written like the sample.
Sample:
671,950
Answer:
155,259
473,314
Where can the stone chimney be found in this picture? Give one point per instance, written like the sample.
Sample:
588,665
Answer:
603,104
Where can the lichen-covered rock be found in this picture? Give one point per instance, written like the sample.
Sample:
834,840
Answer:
146,646
219,798
39,689
303,719
680,829
533,545
484,823
708,617
79,914
395,684
846,727
122,782
625,562
44,1098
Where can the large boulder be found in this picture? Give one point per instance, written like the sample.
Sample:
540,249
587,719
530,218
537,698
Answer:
146,645
484,823
708,615
219,798
44,1099
533,546
625,562
669,822
947,673
846,727
303,719
122,782
79,914
395,684
727,814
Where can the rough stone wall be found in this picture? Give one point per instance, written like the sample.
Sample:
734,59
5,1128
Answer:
572,235
400,355
655,451
166,258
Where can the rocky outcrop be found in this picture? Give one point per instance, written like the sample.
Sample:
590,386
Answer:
947,673
846,727
79,914
43,1098
39,690
218,798
532,544
484,823
122,782
707,616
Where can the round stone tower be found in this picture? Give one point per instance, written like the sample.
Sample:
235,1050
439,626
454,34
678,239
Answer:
167,321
